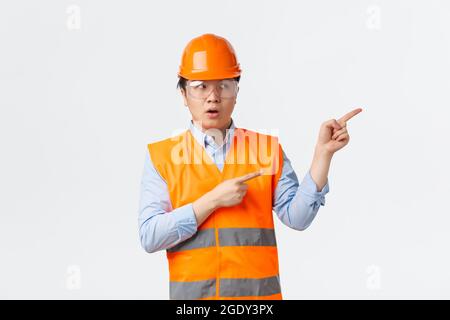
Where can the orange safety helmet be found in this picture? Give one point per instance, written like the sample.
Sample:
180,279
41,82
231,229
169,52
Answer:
209,57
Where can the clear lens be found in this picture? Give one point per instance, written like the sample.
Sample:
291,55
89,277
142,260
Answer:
201,89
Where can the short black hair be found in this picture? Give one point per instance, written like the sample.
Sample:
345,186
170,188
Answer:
182,82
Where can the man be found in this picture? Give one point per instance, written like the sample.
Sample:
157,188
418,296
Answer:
207,194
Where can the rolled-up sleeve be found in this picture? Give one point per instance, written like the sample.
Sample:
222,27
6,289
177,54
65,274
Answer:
160,227
297,205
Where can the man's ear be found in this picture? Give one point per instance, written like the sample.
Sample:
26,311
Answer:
183,94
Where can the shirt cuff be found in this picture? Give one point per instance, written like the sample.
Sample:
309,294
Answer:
185,221
309,189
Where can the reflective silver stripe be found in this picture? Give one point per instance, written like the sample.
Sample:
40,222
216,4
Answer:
190,290
228,237
247,237
202,239
249,287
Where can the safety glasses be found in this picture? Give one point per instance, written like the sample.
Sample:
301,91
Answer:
201,89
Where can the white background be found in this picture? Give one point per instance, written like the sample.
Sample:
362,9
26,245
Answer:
85,85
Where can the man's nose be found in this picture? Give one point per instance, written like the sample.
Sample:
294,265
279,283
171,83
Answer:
214,96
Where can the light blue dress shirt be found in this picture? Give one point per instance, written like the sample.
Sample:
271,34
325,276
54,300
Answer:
296,205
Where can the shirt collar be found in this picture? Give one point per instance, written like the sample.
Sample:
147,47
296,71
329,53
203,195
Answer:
205,139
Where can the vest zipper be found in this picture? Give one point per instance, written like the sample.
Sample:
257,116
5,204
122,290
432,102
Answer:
216,230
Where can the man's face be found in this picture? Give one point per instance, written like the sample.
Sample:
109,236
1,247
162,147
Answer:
211,102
